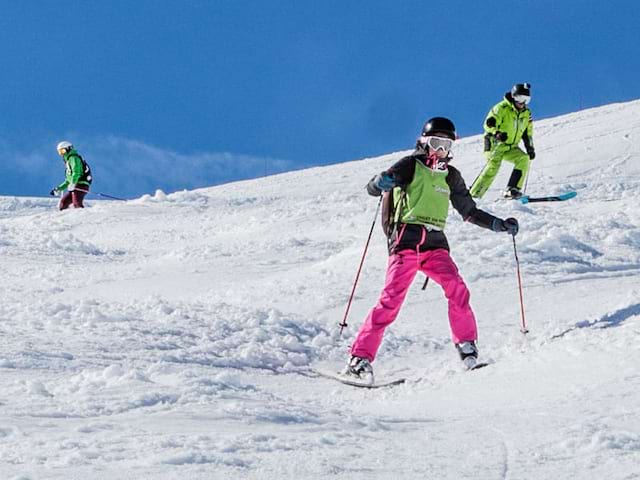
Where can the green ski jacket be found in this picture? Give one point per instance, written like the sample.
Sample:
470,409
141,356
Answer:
77,171
505,117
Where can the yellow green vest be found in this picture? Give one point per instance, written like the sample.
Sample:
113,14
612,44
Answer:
426,199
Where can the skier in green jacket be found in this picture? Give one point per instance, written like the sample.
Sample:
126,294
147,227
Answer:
77,177
507,123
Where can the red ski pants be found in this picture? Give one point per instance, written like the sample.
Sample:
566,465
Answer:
403,266
74,197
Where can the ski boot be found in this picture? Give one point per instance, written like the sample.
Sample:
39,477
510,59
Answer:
468,354
360,369
512,193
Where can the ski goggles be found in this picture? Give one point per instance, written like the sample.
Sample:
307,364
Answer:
522,99
438,143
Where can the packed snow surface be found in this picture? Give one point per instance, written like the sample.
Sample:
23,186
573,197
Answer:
175,336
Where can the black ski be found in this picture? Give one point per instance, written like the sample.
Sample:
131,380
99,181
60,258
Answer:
552,198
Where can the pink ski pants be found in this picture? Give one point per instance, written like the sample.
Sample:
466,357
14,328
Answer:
403,266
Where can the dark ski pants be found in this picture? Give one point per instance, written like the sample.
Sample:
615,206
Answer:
74,197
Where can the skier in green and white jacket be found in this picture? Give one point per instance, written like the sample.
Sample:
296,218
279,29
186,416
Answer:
77,177
507,123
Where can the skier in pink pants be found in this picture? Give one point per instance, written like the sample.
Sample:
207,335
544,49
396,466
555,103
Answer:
418,190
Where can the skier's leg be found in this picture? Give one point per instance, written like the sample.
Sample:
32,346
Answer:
401,271
482,183
77,198
439,266
514,179
520,162
65,201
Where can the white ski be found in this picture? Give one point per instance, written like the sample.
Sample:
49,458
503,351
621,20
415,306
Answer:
472,363
353,382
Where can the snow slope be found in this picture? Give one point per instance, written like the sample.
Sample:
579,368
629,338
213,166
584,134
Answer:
173,336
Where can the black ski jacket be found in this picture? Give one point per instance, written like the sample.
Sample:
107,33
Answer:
411,236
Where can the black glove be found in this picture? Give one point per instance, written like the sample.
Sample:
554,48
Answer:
531,152
54,192
509,225
501,136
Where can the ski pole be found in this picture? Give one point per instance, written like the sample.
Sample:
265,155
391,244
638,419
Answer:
426,282
111,197
101,194
523,327
355,282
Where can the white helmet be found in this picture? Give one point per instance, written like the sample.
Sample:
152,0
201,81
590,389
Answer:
64,145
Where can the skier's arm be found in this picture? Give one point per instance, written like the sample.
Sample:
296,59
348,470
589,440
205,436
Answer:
465,205
403,170
492,126
493,120
490,122
527,138
399,175
382,182
75,166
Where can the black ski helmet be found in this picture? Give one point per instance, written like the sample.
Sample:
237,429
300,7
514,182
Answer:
439,125
521,89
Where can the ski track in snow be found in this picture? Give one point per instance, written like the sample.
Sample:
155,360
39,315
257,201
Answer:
173,336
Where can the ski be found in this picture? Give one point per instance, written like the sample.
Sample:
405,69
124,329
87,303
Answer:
472,363
478,365
354,383
552,198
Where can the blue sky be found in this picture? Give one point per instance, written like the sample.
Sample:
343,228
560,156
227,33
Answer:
183,94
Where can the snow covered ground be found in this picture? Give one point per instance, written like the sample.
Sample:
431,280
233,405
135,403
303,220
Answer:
173,336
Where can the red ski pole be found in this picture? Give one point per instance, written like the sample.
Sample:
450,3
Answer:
355,282
523,327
